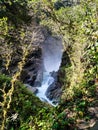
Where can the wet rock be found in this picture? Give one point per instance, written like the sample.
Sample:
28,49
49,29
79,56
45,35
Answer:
31,73
54,91
37,83
39,78
32,89
54,75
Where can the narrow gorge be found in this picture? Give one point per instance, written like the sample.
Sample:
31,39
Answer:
45,83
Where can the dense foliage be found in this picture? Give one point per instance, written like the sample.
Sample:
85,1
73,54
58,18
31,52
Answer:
78,26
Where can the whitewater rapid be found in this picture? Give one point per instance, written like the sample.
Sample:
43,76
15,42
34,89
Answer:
52,51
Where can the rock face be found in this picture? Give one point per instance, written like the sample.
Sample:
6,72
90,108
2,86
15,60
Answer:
54,91
34,65
34,35
30,73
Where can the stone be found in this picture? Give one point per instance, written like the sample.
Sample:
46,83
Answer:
39,78
32,89
54,91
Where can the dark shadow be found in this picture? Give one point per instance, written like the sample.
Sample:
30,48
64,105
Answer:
65,3
64,64
15,11
65,60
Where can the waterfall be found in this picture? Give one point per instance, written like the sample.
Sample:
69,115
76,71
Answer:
47,81
52,51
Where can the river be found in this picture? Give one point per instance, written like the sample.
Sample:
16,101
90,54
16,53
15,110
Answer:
52,51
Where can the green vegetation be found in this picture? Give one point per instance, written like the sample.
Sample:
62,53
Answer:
26,111
78,26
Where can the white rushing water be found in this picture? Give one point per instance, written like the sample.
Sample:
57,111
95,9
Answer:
52,54
47,81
